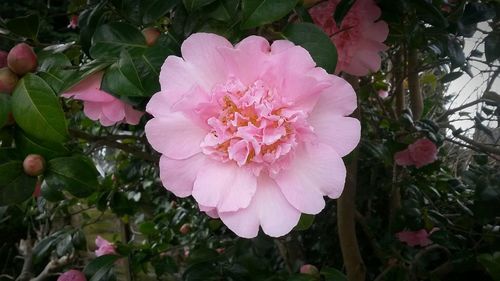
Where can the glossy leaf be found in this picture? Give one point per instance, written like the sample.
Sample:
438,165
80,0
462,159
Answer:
88,22
76,174
260,12
55,69
315,41
4,109
26,26
110,39
192,5
342,9
155,9
15,185
29,145
37,110
99,266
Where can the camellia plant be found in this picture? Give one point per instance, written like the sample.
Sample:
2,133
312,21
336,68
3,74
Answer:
249,140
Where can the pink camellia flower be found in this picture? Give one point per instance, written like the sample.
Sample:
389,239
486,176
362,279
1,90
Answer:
104,247
420,153
72,275
254,132
358,38
383,94
416,238
73,22
99,105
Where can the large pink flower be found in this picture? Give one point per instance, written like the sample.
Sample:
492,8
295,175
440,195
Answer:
420,153
72,275
254,132
358,38
99,105
104,247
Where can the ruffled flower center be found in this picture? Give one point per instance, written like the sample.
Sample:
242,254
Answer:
254,126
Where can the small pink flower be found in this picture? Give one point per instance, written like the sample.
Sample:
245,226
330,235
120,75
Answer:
104,247
416,238
309,269
359,37
420,153
255,132
383,94
72,275
73,22
99,105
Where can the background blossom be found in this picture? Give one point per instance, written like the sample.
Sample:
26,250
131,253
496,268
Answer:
104,247
359,37
420,153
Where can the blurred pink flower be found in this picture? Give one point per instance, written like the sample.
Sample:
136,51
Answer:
72,275
383,94
309,269
359,37
104,247
254,132
420,153
3,58
416,238
73,22
99,105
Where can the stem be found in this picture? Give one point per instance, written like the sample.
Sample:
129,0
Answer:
398,79
417,102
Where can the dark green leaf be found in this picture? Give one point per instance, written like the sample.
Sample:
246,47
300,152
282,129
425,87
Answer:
260,12
492,47
26,26
37,110
88,21
122,78
51,193
154,9
430,13
332,274
456,53
41,248
342,9
492,264
84,72
99,267
305,222
76,174
315,41
4,109
192,5
451,76
15,185
64,246
477,12
225,10
110,39
28,145
55,69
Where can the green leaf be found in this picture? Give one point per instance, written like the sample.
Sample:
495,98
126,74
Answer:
55,70
225,10
15,185
110,39
491,263
88,21
75,174
305,222
332,274
28,145
451,76
492,47
342,9
98,267
51,193
37,110
192,5
84,72
314,40
156,9
430,13
122,78
4,109
260,12
26,26
456,53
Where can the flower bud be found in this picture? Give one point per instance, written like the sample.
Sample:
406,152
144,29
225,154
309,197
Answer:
8,80
309,269
21,59
151,34
3,59
34,165
72,275
185,229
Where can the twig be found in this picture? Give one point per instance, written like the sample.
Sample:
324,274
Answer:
51,267
26,249
417,102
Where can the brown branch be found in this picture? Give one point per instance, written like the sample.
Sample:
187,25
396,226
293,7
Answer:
109,142
26,249
481,146
51,267
398,79
417,101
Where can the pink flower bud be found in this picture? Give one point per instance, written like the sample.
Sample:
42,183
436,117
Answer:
309,269
151,34
8,80
104,247
21,59
3,59
383,94
34,165
185,229
73,22
72,275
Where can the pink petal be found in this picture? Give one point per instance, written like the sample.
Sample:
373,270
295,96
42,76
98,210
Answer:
339,98
224,186
378,31
89,89
403,158
178,176
99,241
132,116
211,212
316,171
174,136
114,111
92,110
268,208
341,133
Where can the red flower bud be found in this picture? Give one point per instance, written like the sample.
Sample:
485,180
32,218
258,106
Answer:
22,59
8,80
309,269
185,229
151,34
34,165
3,59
